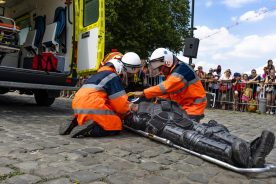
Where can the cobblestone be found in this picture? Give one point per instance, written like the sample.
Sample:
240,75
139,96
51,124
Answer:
31,151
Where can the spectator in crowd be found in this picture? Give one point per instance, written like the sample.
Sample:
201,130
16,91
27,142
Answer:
225,86
270,65
246,96
270,90
265,73
218,71
254,79
209,78
192,65
260,90
236,87
200,73
245,78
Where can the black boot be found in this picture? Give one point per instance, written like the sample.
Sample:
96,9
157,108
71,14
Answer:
83,130
238,153
235,154
261,147
66,127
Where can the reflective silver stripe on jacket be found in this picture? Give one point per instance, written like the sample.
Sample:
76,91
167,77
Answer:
179,91
107,79
101,84
162,88
118,94
94,111
200,100
97,87
187,83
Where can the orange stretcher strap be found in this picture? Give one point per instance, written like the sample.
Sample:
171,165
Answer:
9,26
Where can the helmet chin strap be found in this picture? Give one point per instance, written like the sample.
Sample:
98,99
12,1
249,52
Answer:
124,78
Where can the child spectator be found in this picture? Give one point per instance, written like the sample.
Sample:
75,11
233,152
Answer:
260,90
265,73
246,96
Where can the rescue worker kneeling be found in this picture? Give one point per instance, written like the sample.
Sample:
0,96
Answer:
101,103
169,121
182,85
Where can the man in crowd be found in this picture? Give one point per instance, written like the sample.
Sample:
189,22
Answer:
101,103
181,85
254,79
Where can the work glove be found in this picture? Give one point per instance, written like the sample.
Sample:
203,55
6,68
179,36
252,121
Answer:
138,93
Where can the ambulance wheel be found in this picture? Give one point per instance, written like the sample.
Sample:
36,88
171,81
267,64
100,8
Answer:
42,98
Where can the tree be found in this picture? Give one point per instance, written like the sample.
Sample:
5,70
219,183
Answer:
143,25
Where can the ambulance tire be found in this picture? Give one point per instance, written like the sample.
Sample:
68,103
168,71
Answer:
42,98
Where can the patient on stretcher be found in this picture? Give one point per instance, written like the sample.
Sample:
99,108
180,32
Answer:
169,121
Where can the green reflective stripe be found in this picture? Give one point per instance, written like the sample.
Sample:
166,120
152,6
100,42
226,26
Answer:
162,88
116,95
94,86
200,100
107,79
93,111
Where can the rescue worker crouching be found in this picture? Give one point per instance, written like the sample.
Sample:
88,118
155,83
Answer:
181,85
101,103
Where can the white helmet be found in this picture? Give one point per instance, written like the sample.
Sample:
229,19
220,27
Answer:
161,56
118,65
132,62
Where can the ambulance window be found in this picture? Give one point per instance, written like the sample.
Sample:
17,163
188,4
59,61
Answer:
90,12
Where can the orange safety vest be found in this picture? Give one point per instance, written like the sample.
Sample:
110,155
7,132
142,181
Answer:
182,86
102,99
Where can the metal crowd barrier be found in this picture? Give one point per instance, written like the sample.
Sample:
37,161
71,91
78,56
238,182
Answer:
227,100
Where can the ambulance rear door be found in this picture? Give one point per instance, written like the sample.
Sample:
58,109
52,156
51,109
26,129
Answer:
89,35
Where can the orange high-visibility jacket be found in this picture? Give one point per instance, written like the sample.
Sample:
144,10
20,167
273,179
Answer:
103,99
182,86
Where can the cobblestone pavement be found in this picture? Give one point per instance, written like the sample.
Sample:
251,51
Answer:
32,152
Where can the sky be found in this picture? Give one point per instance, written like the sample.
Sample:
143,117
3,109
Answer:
236,34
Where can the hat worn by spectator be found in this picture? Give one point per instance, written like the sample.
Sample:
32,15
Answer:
236,74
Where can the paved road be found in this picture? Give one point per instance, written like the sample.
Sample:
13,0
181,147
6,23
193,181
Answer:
32,152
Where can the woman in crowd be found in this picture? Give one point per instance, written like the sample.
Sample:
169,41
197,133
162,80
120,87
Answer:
225,86
270,90
270,65
200,73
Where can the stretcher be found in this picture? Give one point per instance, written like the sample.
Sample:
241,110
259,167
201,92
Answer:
266,168
9,35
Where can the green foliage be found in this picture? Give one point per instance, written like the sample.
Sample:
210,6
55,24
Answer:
143,25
